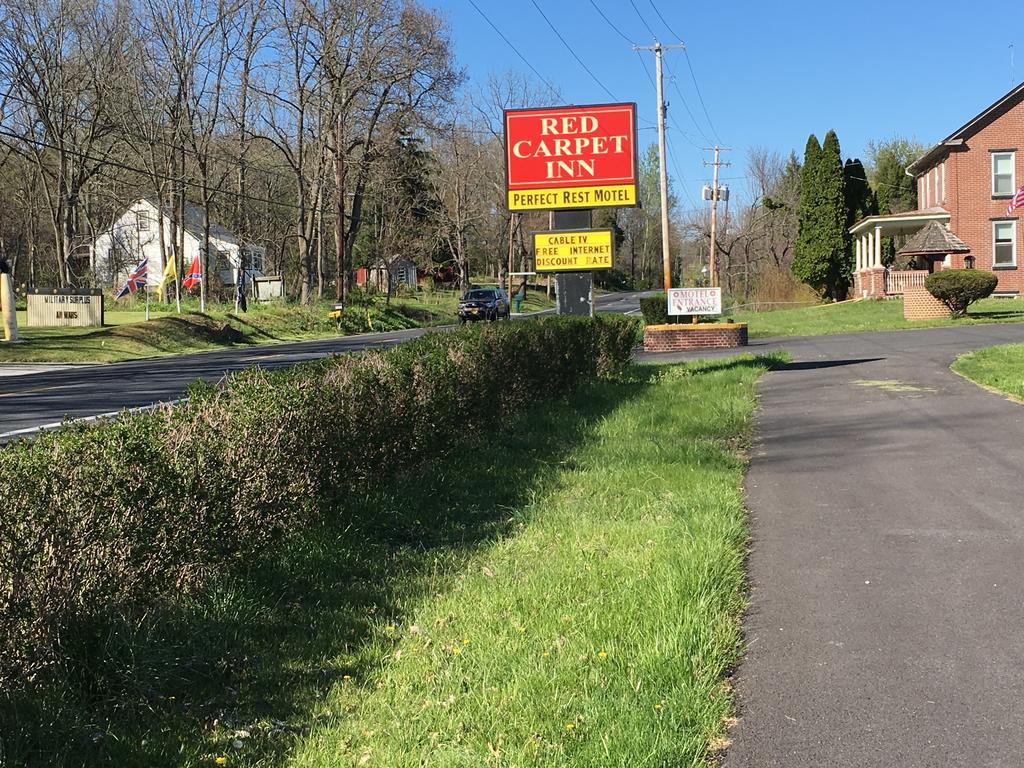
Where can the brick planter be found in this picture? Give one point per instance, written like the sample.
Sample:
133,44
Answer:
918,304
679,338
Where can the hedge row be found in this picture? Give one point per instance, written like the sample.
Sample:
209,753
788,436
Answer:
119,519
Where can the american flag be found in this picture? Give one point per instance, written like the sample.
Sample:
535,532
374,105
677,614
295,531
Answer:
1017,202
136,280
193,277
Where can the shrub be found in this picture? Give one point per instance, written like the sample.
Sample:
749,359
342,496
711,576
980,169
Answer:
958,288
654,308
105,524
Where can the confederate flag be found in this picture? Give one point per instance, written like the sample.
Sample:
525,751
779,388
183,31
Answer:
193,277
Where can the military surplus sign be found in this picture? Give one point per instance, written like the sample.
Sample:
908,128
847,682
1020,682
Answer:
571,157
573,251
50,307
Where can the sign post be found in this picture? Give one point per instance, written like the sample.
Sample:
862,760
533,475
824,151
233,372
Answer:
7,309
571,160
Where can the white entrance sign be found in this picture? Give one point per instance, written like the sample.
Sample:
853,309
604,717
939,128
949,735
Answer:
51,307
695,301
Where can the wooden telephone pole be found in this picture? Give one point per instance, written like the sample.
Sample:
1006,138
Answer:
712,256
659,49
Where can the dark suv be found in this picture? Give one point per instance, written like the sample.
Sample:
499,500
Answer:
483,304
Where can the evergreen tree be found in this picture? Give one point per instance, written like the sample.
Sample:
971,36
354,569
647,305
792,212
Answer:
822,258
807,266
860,199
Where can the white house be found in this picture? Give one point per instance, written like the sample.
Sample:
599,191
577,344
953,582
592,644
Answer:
135,235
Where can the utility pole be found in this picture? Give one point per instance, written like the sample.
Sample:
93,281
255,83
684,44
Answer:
712,256
659,50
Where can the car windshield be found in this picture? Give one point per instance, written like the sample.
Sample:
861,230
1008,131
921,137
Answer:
478,296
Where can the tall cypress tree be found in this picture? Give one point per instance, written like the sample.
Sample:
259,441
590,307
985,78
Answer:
835,235
822,258
807,264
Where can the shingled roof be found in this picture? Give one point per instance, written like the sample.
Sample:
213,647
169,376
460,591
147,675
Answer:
968,129
934,238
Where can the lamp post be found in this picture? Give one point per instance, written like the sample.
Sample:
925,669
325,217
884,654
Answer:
969,261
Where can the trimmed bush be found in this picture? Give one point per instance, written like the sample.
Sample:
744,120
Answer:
654,308
958,288
108,523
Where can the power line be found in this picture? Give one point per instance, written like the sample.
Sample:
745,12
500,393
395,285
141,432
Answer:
515,50
686,106
679,175
693,77
689,65
643,20
665,23
643,63
610,23
570,50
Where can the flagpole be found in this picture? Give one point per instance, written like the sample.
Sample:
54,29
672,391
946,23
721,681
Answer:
202,280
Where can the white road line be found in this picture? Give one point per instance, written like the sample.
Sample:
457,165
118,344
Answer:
87,419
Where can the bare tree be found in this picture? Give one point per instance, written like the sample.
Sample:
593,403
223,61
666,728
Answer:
62,67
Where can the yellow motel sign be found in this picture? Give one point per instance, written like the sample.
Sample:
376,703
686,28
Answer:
573,251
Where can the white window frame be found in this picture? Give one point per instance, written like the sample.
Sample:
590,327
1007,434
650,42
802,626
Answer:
938,199
1013,173
943,181
142,218
1013,243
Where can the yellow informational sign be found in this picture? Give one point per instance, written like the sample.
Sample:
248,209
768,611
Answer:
573,251
572,197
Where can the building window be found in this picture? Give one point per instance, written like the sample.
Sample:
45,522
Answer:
142,221
937,198
943,167
1004,244
1002,174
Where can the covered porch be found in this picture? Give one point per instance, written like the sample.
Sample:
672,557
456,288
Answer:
870,278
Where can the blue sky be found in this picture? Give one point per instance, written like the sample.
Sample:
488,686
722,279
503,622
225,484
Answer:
769,73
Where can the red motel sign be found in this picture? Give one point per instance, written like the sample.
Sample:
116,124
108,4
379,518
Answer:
571,157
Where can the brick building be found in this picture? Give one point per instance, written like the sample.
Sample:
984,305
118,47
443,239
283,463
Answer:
965,183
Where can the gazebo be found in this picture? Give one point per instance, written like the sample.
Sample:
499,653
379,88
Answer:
870,278
935,243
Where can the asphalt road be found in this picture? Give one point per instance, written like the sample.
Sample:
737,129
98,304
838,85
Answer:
45,398
886,625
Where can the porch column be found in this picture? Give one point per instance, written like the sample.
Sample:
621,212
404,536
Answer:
856,260
869,248
878,247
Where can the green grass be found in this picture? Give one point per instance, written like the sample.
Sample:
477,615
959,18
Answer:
1000,368
128,336
566,592
853,316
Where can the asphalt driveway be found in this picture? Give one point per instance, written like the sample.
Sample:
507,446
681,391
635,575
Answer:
887,566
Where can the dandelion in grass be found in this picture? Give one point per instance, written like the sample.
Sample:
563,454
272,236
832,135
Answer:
456,650
570,726
546,654
221,760
602,654
346,677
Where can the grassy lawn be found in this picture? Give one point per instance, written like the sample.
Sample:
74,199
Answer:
1000,368
849,317
579,607
128,336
